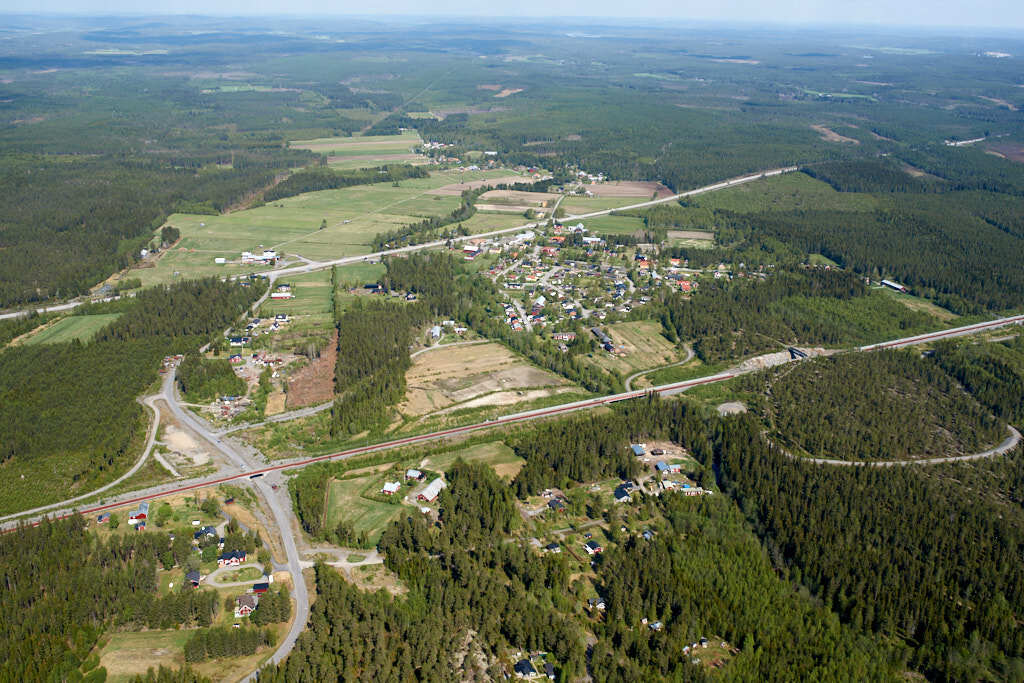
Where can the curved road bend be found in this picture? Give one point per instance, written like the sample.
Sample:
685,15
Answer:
689,357
1008,444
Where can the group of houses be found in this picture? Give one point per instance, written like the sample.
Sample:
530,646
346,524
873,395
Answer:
267,257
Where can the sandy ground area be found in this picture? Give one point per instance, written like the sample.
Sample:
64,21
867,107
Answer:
314,383
731,408
830,135
508,91
691,235
456,189
182,443
275,403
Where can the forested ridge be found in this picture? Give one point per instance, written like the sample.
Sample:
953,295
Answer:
886,405
321,178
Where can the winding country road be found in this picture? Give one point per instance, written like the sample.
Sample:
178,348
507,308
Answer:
1008,444
689,357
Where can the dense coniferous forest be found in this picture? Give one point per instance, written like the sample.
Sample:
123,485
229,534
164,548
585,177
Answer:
201,379
58,384
90,585
993,373
373,355
315,179
221,641
735,319
886,405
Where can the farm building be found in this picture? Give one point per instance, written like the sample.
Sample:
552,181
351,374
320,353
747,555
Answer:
592,548
601,336
246,604
432,491
663,466
639,449
414,474
260,588
140,514
894,285
391,488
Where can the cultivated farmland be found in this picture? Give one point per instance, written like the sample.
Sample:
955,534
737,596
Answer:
292,226
80,327
639,346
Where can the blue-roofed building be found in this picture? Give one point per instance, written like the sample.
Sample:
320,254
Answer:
638,449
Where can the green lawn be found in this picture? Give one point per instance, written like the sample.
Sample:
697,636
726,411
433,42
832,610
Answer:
80,327
614,225
359,274
129,654
346,502
580,205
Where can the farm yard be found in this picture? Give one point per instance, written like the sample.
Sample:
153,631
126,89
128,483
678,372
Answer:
639,345
347,502
292,226
472,376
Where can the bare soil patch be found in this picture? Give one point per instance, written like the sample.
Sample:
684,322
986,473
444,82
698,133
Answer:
314,383
492,86
829,135
275,403
1009,150
629,188
691,235
462,374
508,91
999,101
731,408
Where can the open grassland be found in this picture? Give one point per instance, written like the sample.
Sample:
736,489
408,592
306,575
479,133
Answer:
494,454
787,192
345,502
359,274
641,347
353,215
459,377
80,327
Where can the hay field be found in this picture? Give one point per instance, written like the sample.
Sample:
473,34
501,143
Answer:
475,375
80,327
495,454
346,502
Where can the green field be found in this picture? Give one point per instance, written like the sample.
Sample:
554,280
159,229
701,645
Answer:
129,654
354,216
614,225
80,327
312,295
787,192
359,274
581,205
346,502
493,453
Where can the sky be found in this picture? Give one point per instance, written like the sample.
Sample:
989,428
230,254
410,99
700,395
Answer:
1002,14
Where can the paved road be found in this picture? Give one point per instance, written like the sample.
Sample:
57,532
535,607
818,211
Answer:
689,357
1008,444
321,265
586,404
